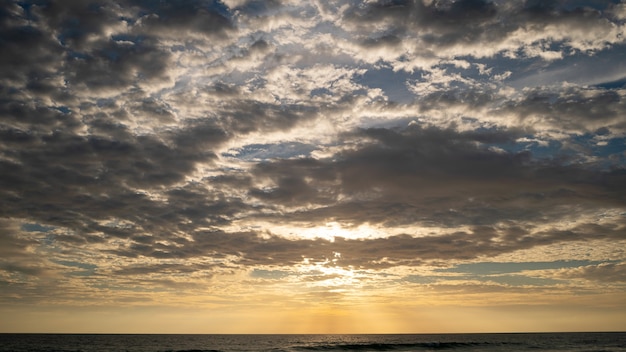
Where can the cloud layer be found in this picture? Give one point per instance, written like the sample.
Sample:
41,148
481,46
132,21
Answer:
153,147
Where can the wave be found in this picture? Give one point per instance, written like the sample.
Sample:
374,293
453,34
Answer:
192,350
391,346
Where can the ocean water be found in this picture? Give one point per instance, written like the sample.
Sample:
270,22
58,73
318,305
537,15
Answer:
554,342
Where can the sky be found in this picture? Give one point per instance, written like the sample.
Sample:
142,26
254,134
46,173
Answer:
339,166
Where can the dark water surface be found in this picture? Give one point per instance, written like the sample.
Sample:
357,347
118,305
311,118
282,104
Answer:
555,342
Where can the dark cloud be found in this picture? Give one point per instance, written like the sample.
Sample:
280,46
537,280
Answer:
448,24
74,181
104,47
29,53
432,176
572,109
446,17
116,65
75,23
257,7
290,184
245,116
183,18
542,11
78,168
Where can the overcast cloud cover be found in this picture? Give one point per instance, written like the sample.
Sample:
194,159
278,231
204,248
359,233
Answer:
230,156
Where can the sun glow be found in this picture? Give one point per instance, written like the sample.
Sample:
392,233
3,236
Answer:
336,277
329,231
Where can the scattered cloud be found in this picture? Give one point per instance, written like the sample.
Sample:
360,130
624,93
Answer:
349,150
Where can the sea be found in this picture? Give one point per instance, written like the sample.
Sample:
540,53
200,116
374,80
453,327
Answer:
538,342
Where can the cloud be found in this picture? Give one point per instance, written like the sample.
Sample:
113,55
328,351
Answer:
131,62
554,112
183,18
573,109
385,252
16,252
430,176
424,30
604,273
